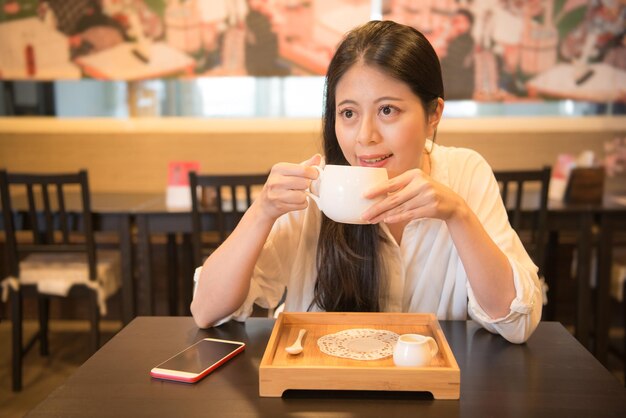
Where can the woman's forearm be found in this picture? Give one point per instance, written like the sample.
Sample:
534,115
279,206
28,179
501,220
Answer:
225,279
487,267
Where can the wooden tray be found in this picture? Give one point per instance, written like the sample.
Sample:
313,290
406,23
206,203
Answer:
313,369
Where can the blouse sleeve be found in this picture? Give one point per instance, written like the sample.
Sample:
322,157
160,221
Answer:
483,196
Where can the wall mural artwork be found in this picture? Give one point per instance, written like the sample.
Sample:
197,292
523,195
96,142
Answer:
490,50
146,39
512,50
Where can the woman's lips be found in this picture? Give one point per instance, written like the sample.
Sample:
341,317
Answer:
374,160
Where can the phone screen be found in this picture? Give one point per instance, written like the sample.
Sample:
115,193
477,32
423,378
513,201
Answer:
197,360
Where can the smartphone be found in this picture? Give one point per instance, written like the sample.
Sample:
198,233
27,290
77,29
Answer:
198,360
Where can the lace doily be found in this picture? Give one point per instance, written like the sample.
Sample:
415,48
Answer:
359,344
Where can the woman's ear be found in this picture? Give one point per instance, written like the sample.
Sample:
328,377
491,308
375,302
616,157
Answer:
434,117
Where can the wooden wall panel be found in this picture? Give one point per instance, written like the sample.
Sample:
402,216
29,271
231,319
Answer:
132,155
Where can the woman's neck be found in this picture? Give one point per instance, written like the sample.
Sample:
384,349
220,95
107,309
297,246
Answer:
426,163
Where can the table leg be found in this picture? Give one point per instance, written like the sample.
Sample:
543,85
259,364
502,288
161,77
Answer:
603,297
584,270
145,285
126,250
551,275
172,274
187,272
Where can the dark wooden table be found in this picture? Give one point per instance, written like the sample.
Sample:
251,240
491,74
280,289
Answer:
551,375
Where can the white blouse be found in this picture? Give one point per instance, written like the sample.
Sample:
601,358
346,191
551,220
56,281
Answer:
424,273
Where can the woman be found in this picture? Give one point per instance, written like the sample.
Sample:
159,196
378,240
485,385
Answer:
439,237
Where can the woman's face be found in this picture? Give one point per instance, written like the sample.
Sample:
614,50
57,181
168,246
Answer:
380,122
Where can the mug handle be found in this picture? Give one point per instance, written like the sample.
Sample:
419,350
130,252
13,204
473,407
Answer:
434,348
316,182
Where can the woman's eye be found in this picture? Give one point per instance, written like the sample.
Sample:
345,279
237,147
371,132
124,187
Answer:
386,110
347,113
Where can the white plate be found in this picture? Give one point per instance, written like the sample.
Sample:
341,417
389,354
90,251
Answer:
359,344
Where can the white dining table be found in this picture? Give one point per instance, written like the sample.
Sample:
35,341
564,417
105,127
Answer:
604,83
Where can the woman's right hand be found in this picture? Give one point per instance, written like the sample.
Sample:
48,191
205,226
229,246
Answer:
286,186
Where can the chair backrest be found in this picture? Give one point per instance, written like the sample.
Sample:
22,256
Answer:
225,197
527,190
55,208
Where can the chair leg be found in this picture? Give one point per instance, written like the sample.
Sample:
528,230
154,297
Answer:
16,318
172,274
624,325
550,273
94,321
44,312
188,268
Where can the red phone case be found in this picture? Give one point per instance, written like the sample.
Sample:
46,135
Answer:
201,375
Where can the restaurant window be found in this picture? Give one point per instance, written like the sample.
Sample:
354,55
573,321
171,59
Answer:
290,97
248,97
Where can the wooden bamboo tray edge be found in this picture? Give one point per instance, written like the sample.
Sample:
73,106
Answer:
314,370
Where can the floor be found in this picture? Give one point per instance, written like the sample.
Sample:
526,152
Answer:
69,349
69,344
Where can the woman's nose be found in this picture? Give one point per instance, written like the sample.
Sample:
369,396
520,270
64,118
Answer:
368,134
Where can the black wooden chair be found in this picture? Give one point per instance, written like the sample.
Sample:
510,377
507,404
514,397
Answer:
226,197
59,258
522,191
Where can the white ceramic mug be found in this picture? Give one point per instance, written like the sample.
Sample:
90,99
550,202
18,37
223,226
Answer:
414,350
341,189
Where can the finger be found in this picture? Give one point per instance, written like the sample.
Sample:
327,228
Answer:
287,203
311,172
391,186
376,191
378,210
293,201
314,160
297,170
292,183
419,205
393,215
396,212
379,215
417,213
289,196
280,186
408,199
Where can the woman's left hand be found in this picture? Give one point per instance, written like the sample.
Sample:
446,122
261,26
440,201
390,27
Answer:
412,195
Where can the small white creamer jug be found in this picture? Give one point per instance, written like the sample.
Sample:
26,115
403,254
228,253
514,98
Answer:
414,350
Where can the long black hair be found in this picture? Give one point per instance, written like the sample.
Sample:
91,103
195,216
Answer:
349,267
